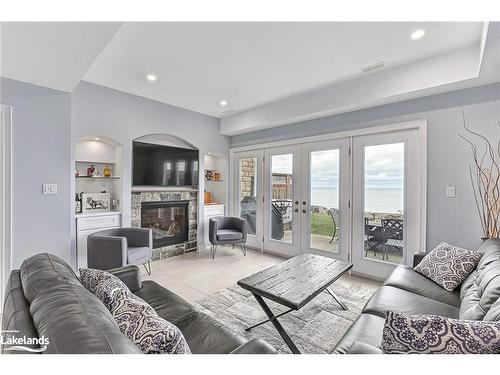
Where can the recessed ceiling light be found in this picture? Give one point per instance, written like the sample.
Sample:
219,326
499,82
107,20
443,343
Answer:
151,77
96,139
223,103
417,34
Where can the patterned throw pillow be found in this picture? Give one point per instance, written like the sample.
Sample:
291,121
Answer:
136,318
429,334
111,291
448,265
149,332
105,286
90,278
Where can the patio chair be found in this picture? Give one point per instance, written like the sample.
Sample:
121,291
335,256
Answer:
373,237
392,232
335,214
279,209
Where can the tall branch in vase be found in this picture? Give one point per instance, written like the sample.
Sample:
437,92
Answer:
485,179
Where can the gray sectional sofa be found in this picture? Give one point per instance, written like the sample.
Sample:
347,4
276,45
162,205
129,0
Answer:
45,298
408,291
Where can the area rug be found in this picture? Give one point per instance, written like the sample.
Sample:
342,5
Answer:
315,329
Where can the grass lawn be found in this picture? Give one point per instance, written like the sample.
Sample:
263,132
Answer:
322,224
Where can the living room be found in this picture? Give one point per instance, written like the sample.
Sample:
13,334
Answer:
250,187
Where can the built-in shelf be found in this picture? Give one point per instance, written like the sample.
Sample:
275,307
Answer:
94,214
99,177
214,180
94,162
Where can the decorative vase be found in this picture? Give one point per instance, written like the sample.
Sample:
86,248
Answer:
90,170
107,171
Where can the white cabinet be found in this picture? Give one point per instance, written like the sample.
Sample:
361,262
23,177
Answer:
88,224
212,210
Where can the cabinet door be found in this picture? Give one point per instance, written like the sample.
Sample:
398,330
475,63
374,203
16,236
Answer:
205,225
99,222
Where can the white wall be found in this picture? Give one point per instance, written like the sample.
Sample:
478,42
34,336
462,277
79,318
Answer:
448,219
41,153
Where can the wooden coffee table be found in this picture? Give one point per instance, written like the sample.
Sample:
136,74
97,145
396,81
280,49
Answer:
293,284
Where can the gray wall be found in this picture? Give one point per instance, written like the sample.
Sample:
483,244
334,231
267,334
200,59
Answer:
44,124
448,219
41,154
102,112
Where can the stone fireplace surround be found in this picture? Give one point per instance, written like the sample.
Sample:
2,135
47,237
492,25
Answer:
168,195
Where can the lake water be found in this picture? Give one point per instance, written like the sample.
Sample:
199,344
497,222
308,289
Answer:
376,200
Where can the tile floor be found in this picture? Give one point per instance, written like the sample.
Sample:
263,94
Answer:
195,275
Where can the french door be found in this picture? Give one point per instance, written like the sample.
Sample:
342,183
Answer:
325,198
283,200
387,207
248,193
358,198
295,198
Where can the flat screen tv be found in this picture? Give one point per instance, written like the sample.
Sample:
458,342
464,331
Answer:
159,165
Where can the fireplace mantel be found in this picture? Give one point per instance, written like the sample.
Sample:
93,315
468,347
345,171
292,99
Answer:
163,188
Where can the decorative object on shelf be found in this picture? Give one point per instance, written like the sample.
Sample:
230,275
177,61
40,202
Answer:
485,179
90,170
78,203
216,176
209,175
77,173
95,202
107,171
208,197
96,173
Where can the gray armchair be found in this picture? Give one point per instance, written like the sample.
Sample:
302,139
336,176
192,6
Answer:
227,230
119,247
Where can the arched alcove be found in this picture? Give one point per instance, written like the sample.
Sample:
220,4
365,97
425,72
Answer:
166,140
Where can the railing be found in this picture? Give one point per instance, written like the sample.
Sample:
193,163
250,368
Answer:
282,191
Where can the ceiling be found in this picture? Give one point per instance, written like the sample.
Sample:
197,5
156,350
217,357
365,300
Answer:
197,65
52,54
250,64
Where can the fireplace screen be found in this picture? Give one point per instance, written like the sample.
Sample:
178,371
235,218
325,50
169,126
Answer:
168,220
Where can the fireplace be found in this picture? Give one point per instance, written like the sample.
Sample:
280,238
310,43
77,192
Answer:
169,221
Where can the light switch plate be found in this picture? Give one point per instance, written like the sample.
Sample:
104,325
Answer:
49,189
450,191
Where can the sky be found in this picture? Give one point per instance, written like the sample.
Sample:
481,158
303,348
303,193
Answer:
384,166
